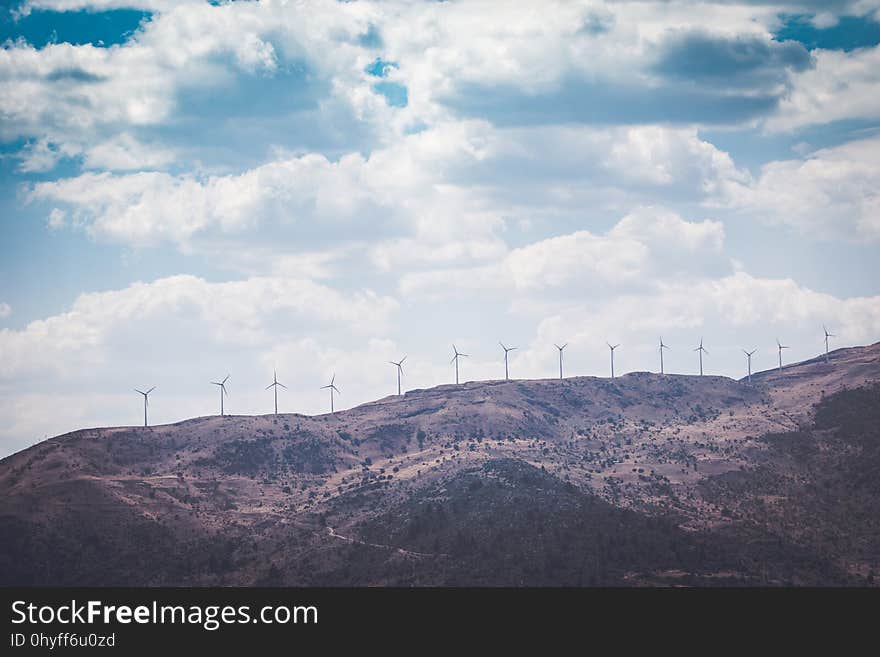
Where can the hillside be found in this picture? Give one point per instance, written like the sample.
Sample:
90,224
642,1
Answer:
644,479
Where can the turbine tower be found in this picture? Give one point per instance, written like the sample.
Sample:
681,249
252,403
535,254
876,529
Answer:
702,351
223,392
506,351
332,387
455,358
146,403
749,356
560,357
662,347
612,348
275,385
399,365
781,347
827,335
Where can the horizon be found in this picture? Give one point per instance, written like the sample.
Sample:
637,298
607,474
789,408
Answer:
193,189
394,396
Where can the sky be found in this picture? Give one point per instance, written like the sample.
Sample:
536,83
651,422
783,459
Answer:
192,189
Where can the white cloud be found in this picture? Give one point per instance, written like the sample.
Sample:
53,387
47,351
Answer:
441,195
730,312
833,193
42,155
648,242
236,312
124,152
5,310
841,85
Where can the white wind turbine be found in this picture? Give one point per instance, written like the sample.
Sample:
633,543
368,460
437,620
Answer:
612,348
506,351
827,335
222,385
146,402
275,383
455,358
399,366
331,386
749,355
662,347
702,351
560,357
780,347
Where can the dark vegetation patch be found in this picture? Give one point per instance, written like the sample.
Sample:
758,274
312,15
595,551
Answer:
817,487
509,523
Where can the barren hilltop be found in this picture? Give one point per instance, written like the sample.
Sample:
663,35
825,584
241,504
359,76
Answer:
645,479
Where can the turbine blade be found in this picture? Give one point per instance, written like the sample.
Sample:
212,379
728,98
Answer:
140,391
151,390
226,379
282,385
269,386
401,360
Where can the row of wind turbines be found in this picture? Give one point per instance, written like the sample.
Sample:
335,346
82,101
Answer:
458,355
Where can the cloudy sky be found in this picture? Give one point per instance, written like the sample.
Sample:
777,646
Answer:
190,189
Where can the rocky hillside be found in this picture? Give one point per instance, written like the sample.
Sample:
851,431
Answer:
644,479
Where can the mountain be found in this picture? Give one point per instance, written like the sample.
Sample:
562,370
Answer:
645,479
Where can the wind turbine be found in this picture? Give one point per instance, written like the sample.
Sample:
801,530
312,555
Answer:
827,335
749,356
399,365
275,385
612,348
701,350
222,385
146,403
506,351
455,358
332,387
662,347
781,347
560,357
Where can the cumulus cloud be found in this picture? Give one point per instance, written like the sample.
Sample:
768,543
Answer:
832,193
842,85
125,152
441,195
646,243
5,310
235,312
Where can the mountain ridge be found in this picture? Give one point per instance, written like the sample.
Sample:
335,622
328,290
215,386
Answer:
665,448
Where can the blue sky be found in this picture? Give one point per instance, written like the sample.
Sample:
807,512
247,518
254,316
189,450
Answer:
190,188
